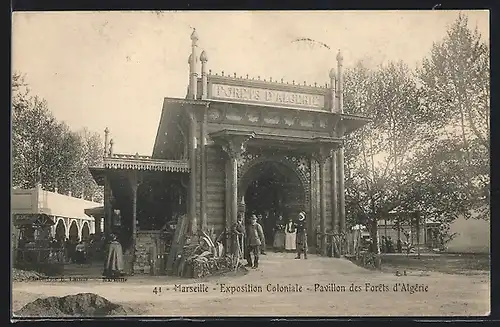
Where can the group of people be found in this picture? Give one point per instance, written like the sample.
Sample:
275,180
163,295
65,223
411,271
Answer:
291,236
75,250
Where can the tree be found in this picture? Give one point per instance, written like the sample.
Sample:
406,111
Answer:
46,151
377,154
90,155
455,82
35,133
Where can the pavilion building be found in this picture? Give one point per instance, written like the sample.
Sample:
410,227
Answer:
234,145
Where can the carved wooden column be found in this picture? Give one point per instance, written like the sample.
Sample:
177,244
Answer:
192,174
107,207
320,156
134,184
227,221
341,186
234,145
334,193
203,173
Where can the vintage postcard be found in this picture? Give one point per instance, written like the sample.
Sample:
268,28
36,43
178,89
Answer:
216,164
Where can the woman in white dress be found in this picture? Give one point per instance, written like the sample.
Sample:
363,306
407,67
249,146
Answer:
290,236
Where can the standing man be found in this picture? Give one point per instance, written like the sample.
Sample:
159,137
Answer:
255,236
279,235
240,242
260,221
301,235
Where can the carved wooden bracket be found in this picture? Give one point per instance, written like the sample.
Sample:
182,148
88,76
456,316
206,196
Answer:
321,155
324,149
232,142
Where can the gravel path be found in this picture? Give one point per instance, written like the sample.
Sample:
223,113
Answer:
315,287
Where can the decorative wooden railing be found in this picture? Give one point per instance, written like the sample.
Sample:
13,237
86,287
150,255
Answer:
140,162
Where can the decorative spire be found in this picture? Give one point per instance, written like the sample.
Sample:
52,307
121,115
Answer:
204,79
106,135
340,58
193,60
332,73
194,35
203,56
111,142
340,84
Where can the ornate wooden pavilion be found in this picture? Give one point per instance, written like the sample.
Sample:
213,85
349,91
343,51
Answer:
235,145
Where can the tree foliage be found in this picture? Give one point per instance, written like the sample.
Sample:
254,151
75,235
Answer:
377,154
46,151
427,149
455,82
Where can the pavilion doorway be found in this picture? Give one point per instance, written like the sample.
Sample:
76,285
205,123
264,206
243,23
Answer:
272,189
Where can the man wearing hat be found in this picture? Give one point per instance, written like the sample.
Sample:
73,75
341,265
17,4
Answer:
255,237
301,240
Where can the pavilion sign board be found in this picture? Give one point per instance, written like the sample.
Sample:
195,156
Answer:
266,97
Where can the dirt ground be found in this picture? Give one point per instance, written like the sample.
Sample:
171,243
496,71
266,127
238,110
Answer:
321,280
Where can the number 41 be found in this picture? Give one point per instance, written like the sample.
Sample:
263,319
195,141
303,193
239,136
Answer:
157,290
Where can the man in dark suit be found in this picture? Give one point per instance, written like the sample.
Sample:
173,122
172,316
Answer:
255,236
301,240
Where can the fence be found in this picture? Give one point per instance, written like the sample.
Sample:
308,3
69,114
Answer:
338,244
40,255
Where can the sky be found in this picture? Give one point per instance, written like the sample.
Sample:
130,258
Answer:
113,69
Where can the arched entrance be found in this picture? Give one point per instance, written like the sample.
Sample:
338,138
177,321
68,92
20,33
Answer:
272,188
60,230
85,231
73,231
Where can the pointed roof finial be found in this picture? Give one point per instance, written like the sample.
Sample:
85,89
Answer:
106,130
203,56
194,35
339,56
332,73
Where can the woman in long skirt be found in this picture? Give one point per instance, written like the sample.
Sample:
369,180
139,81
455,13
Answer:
279,235
290,236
